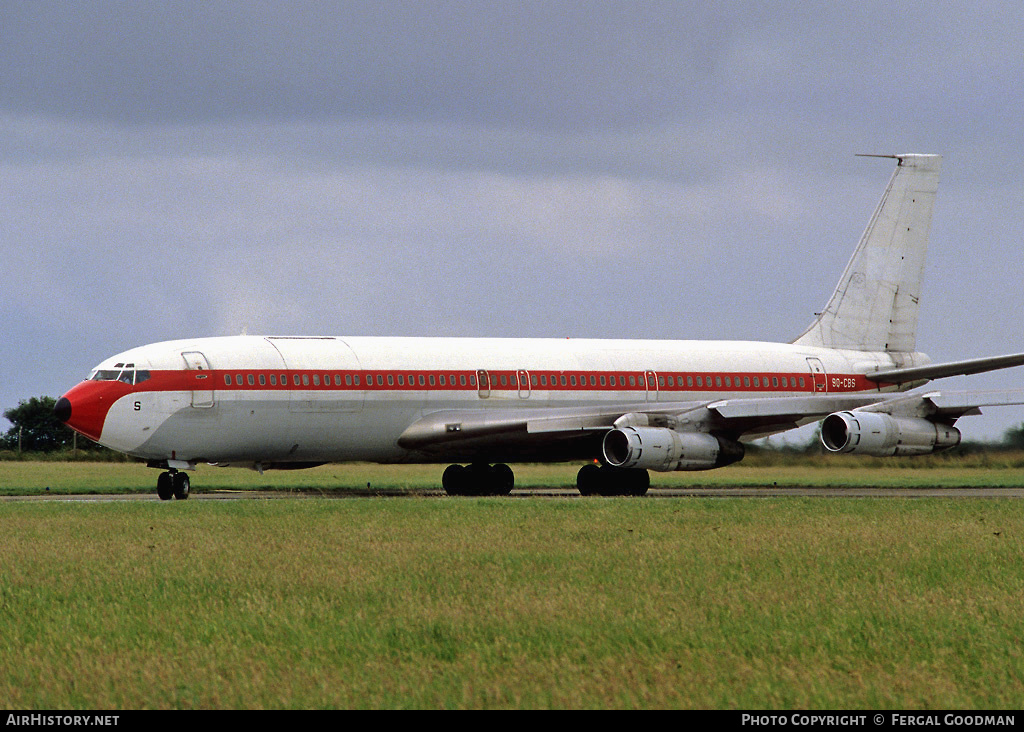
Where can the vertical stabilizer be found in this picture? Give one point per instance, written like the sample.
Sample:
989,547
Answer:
875,305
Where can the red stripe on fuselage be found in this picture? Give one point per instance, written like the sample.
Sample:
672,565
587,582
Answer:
498,380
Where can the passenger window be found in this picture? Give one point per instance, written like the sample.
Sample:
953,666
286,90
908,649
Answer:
348,379
775,382
801,382
391,379
728,382
746,381
227,379
273,379
305,379
622,381
632,380
718,381
356,380
337,379
700,381
604,380
431,378
238,379
380,379
757,383
462,379
423,381
563,379
263,379
441,380
316,379
689,381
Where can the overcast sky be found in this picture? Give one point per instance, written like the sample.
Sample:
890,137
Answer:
600,169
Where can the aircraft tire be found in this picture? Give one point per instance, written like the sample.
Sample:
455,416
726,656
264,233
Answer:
453,480
502,480
605,481
181,486
165,486
588,480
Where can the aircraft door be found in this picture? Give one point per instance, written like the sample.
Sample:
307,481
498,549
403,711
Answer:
652,385
483,383
524,383
196,361
818,376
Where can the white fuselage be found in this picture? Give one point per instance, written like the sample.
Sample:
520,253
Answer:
268,400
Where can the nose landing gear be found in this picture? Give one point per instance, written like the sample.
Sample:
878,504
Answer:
172,484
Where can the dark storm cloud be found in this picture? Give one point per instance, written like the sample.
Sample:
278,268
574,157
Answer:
533,63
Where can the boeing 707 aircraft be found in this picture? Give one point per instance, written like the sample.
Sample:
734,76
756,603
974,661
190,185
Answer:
623,407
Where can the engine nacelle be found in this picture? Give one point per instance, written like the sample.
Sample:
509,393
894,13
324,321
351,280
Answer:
658,448
873,433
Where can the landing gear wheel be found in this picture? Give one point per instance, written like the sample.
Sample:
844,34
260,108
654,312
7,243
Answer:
588,480
606,481
165,486
181,486
478,479
453,480
503,480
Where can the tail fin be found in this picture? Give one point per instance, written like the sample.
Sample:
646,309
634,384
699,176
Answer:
875,305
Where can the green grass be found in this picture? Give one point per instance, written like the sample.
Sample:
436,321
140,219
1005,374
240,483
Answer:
31,477
496,603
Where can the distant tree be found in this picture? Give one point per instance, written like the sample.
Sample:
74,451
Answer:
40,429
1013,438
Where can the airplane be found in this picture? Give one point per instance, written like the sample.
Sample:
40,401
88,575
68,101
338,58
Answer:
623,407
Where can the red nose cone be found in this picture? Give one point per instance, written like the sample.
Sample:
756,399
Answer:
84,408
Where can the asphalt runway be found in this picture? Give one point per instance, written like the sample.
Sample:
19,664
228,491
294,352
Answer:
567,493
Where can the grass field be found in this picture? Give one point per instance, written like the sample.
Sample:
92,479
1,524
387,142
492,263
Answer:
1006,470
430,602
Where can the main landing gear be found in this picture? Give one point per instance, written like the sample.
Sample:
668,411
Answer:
481,479
172,484
478,479
604,480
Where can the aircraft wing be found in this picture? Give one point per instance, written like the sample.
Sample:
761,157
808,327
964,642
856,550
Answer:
543,431
572,432
946,405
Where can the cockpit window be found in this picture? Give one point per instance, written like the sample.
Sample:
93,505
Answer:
105,375
125,373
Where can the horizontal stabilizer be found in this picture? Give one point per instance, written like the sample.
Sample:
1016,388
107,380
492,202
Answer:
941,370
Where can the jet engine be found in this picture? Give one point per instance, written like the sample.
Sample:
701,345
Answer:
662,449
872,433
